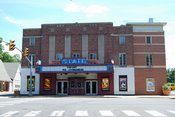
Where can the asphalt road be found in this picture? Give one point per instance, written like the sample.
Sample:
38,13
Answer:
86,107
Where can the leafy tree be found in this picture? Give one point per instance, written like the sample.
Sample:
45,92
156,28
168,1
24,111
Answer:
1,47
171,75
6,57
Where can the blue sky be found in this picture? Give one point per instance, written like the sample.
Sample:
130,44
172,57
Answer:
18,14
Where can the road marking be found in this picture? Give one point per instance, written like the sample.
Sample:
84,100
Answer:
32,113
106,113
81,113
57,113
172,111
131,113
8,114
155,113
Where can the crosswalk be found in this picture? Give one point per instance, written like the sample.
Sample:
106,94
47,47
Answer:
19,101
85,113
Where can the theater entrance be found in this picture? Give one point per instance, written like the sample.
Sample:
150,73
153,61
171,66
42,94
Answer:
77,86
91,87
62,87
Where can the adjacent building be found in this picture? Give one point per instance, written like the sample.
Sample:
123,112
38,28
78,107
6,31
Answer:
95,59
9,76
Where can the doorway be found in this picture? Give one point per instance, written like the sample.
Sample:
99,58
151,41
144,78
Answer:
91,87
62,87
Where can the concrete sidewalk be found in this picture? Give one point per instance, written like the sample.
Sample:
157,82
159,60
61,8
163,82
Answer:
172,95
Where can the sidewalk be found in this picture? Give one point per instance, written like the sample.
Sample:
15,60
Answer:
172,95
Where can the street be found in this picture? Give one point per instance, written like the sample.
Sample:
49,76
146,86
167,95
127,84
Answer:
86,106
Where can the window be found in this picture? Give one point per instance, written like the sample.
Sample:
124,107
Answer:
32,59
76,55
32,41
149,60
122,59
59,56
92,56
148,39
121,40
33,83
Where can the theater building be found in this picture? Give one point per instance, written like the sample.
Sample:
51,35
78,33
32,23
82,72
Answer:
95,59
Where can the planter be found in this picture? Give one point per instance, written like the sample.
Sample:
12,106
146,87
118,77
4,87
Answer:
166,92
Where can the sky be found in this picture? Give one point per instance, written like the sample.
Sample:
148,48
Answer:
15,15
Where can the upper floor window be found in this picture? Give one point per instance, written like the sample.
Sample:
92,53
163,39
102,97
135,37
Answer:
149,60
92,56
122,59
32,59
32,41
148,39
76,55
121,40
59,56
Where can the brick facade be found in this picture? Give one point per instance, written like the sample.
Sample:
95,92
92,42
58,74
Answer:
135,48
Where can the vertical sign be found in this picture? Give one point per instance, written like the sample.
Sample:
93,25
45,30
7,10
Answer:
123,86
150,84
105,84
33,83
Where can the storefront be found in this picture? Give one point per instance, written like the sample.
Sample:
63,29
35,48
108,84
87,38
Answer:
76,79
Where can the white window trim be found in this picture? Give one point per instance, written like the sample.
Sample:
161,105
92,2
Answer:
123,65
149,58
150,40
32,41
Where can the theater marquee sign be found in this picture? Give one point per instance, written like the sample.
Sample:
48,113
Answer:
74,68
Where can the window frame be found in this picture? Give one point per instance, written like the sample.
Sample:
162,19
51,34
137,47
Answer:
122,40
122,59
94,56
32,41
150,40
75,53
57,58
149,60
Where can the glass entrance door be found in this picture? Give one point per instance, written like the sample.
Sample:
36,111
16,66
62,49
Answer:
91,87
62,88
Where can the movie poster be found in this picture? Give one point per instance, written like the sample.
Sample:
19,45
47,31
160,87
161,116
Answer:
150,84
105,84
47,83
33,83
123,83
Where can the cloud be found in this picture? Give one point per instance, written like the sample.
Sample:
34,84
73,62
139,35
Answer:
27,23
72,7
89,11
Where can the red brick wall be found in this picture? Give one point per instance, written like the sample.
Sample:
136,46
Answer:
158,74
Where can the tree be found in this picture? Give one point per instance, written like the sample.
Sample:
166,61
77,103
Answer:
171,75
1,47
6,57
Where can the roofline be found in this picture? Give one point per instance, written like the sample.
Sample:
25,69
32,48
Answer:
79,23
146,24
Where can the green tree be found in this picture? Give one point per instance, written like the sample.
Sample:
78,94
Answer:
1,47
6,57
171,75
